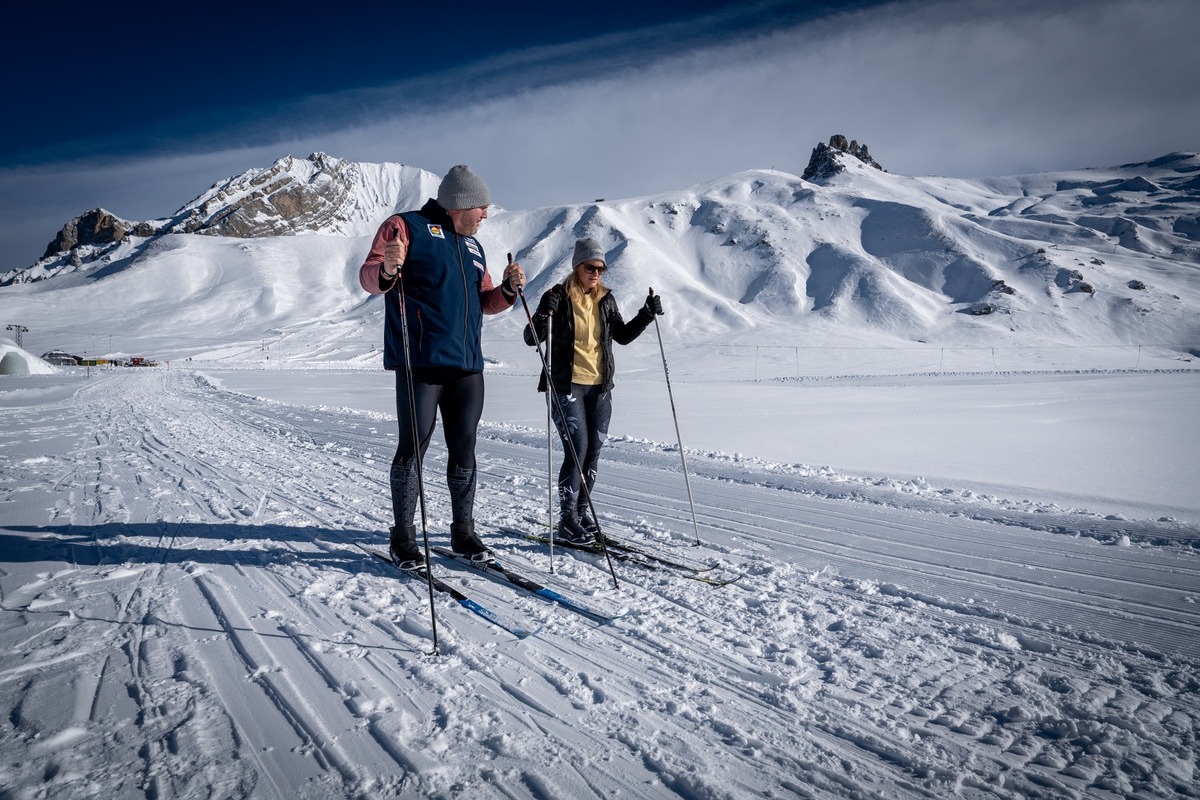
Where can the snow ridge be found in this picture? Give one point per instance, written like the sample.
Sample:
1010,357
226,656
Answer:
1104,256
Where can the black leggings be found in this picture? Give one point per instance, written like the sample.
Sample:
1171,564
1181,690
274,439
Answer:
588,410
458,396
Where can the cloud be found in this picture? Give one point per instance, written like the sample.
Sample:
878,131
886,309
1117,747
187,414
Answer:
967,89
964,89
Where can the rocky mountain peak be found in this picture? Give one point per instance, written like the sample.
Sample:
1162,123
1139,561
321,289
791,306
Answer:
92,228
293,195
319,194
825,162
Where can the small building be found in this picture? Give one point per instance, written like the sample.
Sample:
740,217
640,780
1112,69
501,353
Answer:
60,358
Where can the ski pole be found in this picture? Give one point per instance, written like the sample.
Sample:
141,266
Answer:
412,413
549,448
667,374
566,439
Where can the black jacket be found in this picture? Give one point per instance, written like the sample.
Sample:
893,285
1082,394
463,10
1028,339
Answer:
612,327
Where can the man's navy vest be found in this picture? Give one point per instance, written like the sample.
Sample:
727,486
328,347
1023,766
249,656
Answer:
442,278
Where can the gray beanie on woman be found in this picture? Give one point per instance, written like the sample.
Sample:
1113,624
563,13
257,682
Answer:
588,250
462,188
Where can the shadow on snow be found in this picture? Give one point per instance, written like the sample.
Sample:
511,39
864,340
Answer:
115,543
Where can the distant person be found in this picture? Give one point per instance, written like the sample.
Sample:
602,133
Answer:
583,317
433,257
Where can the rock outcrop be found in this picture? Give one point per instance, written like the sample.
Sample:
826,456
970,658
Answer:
291,196
319,194
93,228
825,160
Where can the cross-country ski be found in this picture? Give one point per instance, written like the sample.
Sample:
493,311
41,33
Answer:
638,559
645,555
514,625
522,581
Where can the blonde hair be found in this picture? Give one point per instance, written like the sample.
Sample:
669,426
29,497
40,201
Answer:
576,291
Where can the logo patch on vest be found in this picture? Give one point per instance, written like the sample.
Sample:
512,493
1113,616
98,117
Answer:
436,230
473,246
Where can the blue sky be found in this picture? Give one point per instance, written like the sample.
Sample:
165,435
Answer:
140,111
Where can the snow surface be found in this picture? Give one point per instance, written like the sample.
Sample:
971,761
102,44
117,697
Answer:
968,564
186,613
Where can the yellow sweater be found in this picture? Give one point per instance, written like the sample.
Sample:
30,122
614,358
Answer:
586,367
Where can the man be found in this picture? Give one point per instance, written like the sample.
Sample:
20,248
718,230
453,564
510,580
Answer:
442,295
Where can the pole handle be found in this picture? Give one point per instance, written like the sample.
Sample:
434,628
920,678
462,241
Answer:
520,290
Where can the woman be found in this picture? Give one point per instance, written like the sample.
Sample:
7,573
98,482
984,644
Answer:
584,319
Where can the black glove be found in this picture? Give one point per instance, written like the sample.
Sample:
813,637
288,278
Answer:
549,303
653,304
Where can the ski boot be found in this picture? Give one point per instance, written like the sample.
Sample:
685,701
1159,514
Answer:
586,522
570,530
405,552
464,542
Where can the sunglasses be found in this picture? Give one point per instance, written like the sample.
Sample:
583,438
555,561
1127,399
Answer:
592,269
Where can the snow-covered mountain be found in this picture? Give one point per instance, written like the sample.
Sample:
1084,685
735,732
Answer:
1097,256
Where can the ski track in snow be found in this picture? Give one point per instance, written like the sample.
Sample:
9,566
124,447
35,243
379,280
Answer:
185,614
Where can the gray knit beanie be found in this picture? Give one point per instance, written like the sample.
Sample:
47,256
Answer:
462,188
588,250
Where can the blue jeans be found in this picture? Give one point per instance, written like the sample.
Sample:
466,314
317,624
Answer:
587,411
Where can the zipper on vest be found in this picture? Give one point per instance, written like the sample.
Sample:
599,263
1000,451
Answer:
462,268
